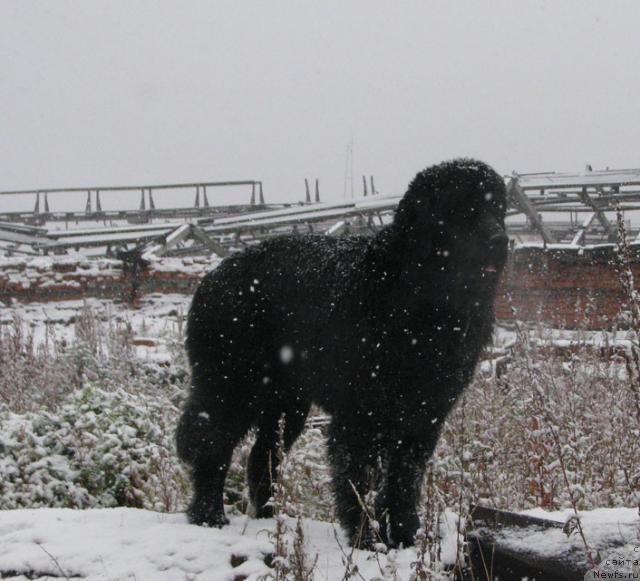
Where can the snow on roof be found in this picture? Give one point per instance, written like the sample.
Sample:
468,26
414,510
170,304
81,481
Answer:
579,179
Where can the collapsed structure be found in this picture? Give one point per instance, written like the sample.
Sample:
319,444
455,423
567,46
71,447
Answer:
565,231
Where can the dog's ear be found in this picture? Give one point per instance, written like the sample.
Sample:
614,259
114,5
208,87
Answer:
416,209
415,224
416,220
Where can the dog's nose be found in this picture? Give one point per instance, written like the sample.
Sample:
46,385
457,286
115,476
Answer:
498,240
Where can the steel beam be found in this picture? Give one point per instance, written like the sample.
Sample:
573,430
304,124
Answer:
518,198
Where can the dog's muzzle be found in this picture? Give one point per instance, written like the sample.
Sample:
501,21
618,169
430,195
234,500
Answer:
497,253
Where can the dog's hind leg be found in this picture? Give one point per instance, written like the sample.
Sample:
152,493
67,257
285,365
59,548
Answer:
264,455
206,438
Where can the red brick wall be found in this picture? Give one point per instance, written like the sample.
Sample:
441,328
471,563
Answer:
563,287
58,279
560,287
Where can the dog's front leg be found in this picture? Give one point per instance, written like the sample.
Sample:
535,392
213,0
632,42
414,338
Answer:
355,473
404,481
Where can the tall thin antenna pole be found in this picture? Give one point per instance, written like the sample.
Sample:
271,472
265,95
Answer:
351,171
348,171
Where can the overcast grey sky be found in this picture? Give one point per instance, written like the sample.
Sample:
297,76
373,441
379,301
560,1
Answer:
115,92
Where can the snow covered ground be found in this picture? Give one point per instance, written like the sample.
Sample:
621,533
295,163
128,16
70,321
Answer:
123,544
130,544
157,320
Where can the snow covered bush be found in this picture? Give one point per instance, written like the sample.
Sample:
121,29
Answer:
306,476
99,448
86,423
497,447
39,373
559,426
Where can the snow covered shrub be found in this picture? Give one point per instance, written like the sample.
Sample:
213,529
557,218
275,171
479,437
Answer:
305,476
39,373
31,375
557,428
100,448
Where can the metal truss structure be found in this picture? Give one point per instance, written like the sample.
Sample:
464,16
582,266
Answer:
572,209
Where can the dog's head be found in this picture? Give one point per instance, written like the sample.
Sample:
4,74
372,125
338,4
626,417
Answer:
453,213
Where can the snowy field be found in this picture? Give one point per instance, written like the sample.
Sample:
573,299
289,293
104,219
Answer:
126,544
158,320
90,392
130,544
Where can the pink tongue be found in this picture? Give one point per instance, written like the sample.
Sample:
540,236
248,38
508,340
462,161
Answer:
490,268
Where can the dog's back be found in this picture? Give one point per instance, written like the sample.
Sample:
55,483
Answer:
270,310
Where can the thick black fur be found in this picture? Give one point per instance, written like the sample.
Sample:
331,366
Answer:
383,333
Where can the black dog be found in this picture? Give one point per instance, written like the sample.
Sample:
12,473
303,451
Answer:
383,333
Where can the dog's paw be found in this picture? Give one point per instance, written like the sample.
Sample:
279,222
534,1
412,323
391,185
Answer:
213,520
202,514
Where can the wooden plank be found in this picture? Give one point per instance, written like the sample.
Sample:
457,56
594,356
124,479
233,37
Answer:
507,545
497,519
491,560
